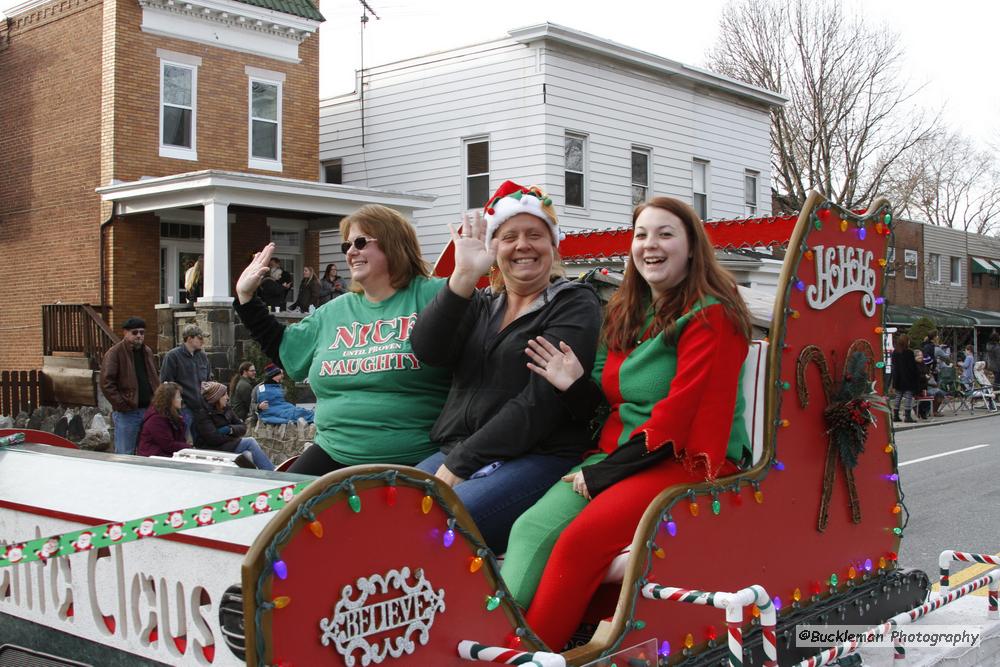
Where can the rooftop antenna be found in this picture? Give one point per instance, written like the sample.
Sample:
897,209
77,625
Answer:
366,9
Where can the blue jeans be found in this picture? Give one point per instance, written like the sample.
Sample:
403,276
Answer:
127,425
259,457
495,501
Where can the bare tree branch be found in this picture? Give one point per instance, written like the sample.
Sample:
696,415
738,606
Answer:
849,117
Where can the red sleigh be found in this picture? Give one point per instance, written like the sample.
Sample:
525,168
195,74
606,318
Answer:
378,563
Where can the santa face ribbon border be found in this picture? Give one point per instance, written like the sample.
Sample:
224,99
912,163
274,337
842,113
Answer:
43,549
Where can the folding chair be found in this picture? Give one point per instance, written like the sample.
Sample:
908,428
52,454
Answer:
956,395
982,387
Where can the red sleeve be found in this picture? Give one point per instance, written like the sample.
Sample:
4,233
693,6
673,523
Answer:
696,415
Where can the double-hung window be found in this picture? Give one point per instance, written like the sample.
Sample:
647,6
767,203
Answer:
934,268
477,172
750,192
265,118
955,270
910,263
699,188
575,170
640,175
178,105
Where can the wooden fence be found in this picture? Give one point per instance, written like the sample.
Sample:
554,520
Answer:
21,390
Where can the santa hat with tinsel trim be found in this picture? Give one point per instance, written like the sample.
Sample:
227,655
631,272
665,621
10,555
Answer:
510,199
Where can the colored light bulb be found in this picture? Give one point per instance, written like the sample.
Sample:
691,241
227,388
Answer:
893,477
514,641
809,255
693,507
892,556
475,563
282,601
316,528
882,563
879,330
426,504
758,496
711,633
449,538
664,650
795,314
785,423
688,640
833,579
852,573
638,624
777,603
786,385
797,594
390,496
843,225
755,611
671,528
887,218
280,569
868,565
862,233
897,508
659,552
778,465
897,531
888,449
817,224
355,502
879,300
492,602
737,499
878,227
815,588
716,507
879,364
882,262
800,285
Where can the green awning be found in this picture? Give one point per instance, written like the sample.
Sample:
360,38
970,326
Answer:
984,318
897,315
980,265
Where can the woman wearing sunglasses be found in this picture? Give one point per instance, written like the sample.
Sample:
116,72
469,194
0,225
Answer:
505,436
375,401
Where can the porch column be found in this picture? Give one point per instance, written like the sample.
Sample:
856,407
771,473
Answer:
216,268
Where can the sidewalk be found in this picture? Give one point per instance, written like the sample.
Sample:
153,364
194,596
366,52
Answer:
946,418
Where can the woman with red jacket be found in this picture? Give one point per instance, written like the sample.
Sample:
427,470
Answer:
674,339
162,430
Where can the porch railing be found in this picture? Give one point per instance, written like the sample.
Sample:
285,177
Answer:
20,390
76,329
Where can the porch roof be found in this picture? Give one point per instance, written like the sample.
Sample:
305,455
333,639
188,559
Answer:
241,189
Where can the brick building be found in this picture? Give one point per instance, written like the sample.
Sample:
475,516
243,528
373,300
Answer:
139,134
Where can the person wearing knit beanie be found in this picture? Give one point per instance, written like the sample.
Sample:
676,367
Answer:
212,391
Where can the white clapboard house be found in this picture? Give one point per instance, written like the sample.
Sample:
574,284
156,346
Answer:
598,124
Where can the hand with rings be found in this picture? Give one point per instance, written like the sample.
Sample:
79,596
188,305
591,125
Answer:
559,366
473,256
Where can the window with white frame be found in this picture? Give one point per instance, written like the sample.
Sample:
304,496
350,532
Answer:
640,175
265,118
477,172
575,170
750,192
699,188
934,268
890,261
955,272
910,263
178,105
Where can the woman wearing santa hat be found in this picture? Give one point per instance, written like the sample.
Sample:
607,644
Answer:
375,401
674,339
505,436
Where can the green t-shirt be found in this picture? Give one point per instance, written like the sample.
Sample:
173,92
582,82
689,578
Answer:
375,401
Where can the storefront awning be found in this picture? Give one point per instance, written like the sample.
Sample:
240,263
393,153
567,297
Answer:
906,315
984,318
981,265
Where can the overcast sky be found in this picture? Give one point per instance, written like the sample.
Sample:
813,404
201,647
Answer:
950,47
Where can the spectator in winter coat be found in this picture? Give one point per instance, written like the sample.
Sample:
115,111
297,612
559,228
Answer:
128,380
162,431
905,377
241,389
217,427
188,366
330,285
309,291
272,406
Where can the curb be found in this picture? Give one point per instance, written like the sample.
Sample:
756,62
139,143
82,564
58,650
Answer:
902,426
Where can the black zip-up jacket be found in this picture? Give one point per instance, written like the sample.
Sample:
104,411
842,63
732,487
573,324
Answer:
497,409
207,424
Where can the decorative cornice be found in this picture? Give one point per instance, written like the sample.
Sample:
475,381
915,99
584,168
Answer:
237,15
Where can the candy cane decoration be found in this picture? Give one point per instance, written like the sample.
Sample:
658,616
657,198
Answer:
733,603
906,618
470,650
948,557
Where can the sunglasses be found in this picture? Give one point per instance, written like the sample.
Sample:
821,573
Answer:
358,243
138,332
